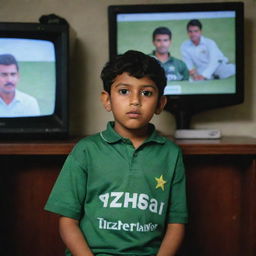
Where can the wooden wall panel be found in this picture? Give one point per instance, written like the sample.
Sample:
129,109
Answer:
248,206
25,185
215,196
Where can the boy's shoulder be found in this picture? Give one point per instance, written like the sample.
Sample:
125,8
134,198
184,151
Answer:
83,146
166,142
88,141
170,143
107,135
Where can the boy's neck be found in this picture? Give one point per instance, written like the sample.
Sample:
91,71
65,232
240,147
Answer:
136,136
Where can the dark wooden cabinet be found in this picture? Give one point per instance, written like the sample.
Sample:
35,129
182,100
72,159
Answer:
221,182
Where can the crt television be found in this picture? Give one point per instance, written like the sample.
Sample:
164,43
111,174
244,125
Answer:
131,27
41,51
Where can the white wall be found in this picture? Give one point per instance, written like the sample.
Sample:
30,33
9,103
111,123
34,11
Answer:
88,18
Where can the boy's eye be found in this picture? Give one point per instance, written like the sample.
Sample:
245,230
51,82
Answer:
146,93
123,91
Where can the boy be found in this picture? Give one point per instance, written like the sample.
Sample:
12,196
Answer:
122,191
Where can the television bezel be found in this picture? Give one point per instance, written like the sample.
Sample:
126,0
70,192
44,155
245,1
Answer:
184,106
54,125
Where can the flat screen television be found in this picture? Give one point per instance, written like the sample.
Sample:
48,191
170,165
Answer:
33,80
131,28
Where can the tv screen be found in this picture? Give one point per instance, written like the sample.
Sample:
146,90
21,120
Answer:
35,76
33,80
204,46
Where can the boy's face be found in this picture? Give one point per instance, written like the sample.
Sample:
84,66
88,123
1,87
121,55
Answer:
133,102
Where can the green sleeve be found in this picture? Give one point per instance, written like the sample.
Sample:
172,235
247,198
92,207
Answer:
178,204
68,194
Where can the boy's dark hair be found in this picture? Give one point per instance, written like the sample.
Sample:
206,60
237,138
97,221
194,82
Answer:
136,64
162,31
8,59
195,23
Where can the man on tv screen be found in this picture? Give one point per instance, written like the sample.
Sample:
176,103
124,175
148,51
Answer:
14,103
203,57
175,69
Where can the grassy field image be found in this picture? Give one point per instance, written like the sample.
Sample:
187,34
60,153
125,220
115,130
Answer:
38,80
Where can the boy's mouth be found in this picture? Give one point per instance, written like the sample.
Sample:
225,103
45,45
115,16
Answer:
133,114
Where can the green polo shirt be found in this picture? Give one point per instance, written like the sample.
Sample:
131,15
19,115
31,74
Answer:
122,196
175,69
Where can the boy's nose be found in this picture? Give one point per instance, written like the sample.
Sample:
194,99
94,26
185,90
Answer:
135,100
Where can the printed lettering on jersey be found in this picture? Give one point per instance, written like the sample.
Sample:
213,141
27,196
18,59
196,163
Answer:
133,200
129,227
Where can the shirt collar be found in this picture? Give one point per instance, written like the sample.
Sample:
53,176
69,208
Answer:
202,41
111,136
153,54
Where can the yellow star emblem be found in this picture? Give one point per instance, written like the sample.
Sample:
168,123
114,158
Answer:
160,182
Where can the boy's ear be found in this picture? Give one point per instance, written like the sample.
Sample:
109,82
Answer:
105,99
161,104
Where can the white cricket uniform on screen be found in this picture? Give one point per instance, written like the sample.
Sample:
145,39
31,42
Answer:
207,59
22,105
